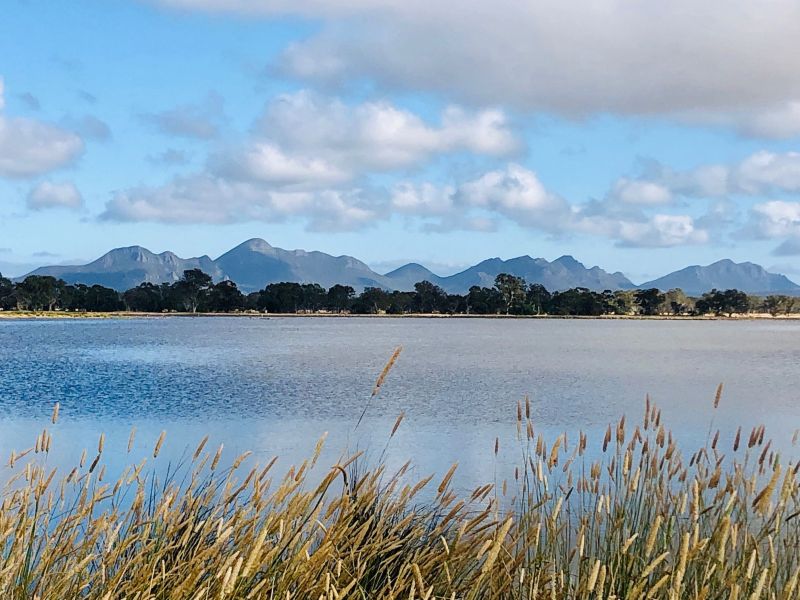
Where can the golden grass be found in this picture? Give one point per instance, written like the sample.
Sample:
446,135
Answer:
627,517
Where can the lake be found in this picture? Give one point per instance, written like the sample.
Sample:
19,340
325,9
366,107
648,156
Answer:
275,385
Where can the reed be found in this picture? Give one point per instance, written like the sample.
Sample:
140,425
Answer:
629,516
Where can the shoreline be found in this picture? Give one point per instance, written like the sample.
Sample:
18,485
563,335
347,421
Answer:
60,315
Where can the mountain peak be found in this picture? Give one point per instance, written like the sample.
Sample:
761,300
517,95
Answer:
255,245
725,274
568,261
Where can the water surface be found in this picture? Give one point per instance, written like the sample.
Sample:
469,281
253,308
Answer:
274,385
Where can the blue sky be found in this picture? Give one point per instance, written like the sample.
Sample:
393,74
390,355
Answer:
641,138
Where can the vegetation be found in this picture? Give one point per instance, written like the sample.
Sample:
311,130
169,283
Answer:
510,295
628,516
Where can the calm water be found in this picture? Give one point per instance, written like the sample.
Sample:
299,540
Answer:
274,385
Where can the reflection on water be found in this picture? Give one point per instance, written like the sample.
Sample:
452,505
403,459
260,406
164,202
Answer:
275,385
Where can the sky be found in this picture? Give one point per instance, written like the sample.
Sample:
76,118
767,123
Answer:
638,136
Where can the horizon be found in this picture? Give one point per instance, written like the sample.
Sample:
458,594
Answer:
295,124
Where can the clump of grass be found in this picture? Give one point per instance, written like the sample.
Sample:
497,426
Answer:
629,516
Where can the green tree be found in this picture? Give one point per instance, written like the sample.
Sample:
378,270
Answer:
192,289
146,297
483,301
773,304
7,299
284,297
225,297
677,302
38,292
314,297
538,298
339,297
512,289
735,302
372,301
649,301
429,298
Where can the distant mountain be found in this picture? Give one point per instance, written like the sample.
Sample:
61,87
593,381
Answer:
561,274
125,268
406,276
725,274
255,264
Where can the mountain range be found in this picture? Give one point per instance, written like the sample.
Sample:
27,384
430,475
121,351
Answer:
255,264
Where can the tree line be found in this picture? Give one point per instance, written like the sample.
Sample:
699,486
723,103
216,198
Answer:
510,295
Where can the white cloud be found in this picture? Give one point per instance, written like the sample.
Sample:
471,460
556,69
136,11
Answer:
758,174
779,122
310,157
377,135
661,231
775,219
29,147
266,162
764,172
2,94
716,57
207,199
48,194
646,193
517,193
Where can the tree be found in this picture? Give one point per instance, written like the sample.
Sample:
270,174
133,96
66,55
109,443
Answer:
339,297
38,292
7,299
146,297
577,301
372,301
538,298
483,301
429,298
649,301
284,297
727,301
735,302
192,289
99,298
225,297
773,304
512,289
314,297
677,302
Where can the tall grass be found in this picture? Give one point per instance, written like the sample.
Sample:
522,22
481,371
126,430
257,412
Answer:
629,516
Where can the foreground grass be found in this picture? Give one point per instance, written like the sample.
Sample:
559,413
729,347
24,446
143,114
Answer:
628,517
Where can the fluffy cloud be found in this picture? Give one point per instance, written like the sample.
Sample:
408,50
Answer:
758,174
208,199
775,219
312,157
647,193
513,193
48,194
572,58
517,194
661,231
779,122
375,135
29,147
268,163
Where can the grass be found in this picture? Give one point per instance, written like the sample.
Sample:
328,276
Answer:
629,516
